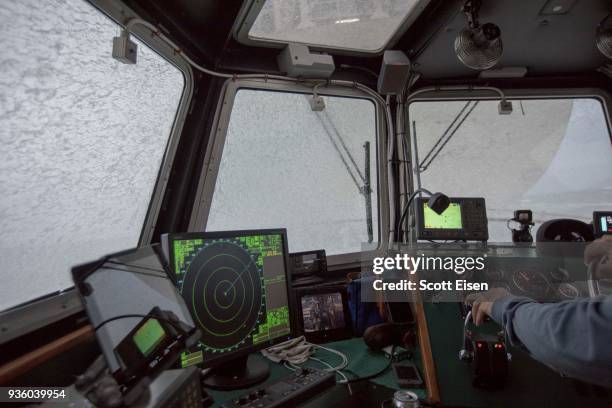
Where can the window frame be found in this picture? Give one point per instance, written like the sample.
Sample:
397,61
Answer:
440,94
250,11
216,143
37,313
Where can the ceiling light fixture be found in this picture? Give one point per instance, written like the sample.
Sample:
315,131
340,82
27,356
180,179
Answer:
603,38
478,46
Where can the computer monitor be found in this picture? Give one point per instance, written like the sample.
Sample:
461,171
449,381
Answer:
236,285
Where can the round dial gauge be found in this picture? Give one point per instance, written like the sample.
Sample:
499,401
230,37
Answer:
530,282
568,291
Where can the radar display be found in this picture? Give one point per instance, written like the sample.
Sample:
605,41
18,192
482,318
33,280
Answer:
236,289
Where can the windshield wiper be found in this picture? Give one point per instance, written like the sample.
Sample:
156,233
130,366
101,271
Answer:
361,180
450,131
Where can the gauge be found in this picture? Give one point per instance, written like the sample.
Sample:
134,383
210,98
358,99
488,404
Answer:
530,282
494,274
560,274
568,291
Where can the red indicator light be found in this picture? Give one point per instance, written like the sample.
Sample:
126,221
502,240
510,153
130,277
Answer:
479,345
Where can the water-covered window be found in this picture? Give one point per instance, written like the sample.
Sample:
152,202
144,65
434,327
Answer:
82,138
552,156
286,166
360,25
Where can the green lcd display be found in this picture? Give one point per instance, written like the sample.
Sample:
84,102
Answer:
149,336
449,219
235,284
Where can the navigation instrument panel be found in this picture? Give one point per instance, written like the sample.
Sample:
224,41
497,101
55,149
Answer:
235,285
465,219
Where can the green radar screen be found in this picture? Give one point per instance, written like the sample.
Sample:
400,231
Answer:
222,282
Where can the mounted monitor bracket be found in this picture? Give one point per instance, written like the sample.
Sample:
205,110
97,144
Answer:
297,61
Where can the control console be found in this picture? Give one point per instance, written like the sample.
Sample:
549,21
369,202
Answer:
288,391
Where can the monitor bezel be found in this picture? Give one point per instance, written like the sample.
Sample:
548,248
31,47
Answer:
421,201
596,226
222,358
324,336
462,234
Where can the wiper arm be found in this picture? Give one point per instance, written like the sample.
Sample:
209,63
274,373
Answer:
446,136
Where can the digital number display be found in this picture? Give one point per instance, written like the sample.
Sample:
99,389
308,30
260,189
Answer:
449,219
31,394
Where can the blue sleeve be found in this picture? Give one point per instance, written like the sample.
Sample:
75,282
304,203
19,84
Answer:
573,337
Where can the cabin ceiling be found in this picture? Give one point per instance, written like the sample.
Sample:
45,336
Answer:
544,44
548,45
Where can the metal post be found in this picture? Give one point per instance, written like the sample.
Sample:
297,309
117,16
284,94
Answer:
417,164
367,192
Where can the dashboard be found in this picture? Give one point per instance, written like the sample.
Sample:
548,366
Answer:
522,270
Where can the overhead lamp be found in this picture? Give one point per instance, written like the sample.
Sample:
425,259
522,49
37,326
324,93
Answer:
603,37
478,46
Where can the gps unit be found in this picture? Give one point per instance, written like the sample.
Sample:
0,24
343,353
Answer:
465,219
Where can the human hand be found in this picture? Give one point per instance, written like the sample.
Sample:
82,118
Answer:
600,251
482,303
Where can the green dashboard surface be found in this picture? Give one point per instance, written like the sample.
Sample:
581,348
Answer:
362,362
529,383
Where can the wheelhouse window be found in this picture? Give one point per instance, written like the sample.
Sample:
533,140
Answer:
82,141
552,156
287,166
357,25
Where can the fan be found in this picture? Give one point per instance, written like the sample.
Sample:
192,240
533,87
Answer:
478,46
603,38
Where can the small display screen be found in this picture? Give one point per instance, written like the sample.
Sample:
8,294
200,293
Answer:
605,223
449,219
322,312
149,336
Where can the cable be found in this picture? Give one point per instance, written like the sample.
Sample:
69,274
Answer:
293,367
338,369
338,353
339,372
127,316
138,21
437,244
376,374
406,208
358,68
341,366
352,84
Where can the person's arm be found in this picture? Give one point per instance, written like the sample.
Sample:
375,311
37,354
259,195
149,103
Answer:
574,337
